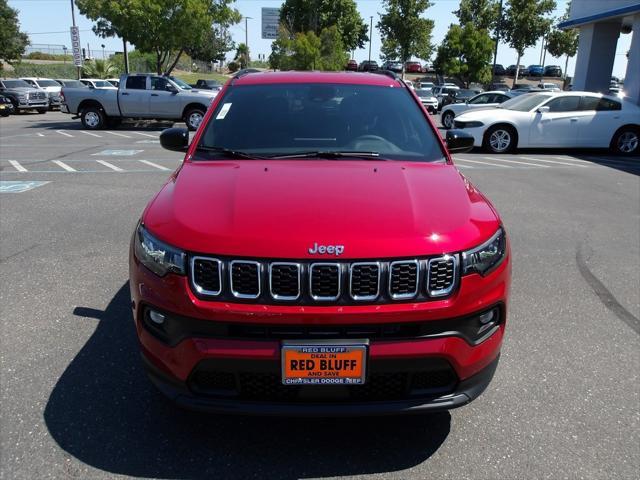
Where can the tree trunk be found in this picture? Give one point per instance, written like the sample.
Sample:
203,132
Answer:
175,62
158,63
515,78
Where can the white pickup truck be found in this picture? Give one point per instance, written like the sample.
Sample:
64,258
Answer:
144,96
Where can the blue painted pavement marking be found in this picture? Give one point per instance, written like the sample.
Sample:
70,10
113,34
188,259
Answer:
17,186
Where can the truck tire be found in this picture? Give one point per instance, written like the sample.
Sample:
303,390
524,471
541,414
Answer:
193,118
92,118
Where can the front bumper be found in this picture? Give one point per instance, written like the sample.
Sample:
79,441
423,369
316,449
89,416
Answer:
32,104
477,133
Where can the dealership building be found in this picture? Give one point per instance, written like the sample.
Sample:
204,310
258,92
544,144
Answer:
601,22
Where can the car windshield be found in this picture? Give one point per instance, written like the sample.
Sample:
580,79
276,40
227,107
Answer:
465,93
47,83
324,120
424,92
16,84
180,83
524,103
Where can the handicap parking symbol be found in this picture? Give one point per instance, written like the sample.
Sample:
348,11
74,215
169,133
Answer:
18,187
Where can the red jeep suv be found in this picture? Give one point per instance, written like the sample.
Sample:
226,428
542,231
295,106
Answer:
318,253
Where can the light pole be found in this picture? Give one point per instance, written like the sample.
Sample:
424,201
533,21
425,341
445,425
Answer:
102,51
246,38
370,35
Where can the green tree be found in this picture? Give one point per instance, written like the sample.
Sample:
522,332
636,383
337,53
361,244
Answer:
465,54
213,44
563,42
405,34
281,50
99,69
483,14
166,28
13,42
242,55
302,16
332,52
524,22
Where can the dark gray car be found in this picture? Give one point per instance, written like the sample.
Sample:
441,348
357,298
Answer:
24,96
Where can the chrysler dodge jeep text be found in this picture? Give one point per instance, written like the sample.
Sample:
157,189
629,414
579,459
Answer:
318,253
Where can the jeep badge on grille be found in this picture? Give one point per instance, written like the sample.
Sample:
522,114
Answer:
328,249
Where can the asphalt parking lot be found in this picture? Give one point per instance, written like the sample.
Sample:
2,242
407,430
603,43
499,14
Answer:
565,402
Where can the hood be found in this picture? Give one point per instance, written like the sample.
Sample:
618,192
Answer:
52,89
21,90
279,209
482,114
208,93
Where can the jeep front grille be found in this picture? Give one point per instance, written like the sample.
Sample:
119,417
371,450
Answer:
323,282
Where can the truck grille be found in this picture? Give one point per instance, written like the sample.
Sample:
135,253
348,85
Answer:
37,96
324,282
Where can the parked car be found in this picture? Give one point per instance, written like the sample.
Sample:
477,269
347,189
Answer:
428,100
552,71
499,86
428,68
368,66
459,96
6,107
352,65
24,96
138,96
412,67
511,70
48,85
481,100
549,86
442,91
409,83
208,84
556,120
499,70
67,82
98,83
523,86
535,70
392,66
426,84
114,81
268,317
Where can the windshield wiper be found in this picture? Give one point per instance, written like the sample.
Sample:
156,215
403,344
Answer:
331,154
229,152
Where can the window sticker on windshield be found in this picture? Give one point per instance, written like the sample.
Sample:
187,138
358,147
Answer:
223,111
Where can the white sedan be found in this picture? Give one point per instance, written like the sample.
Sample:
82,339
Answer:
482,100
556,120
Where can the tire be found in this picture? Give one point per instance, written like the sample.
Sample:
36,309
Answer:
5,113
93,118
193,118
500,139
42,110
626,141
447,119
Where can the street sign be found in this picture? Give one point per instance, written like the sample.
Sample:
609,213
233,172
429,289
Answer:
75,44
270,23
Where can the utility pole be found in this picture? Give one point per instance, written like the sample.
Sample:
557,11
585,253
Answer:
73,22
126,56
246,37
542,48
495,51
370,35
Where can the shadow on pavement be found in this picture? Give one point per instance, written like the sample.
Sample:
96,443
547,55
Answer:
105,412
68,123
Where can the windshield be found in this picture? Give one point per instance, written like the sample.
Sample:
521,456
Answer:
424,92
16,84
180,83
47,83
525,103
285,119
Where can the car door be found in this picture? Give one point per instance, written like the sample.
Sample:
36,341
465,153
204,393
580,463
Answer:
599,118
483,100
163,100
557,127
134,97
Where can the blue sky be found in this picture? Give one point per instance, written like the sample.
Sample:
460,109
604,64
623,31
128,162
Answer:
48,21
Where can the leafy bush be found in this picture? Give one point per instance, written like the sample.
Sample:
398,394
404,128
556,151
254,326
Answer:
52,70
233,66
48,56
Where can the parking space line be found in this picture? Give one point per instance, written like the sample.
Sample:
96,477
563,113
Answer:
63,133
486,163
40,134
155,165
462,165
92,134
571,159
118,134
64,165
110,165
15,164
145,134
515,161
554,162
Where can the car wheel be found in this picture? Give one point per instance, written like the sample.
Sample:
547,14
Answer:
500,139
626,141
5,113
92,118
42,110
193,118
447,119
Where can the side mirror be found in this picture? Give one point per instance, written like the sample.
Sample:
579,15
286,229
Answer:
175,139
459,141
543,109
171,88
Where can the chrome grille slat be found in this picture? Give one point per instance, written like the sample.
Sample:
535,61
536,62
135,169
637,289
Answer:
284,280
245,278
206,275
441,275
404,278
325,281
364,280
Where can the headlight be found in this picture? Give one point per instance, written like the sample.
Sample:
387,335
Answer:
157,256
487,256
473,124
